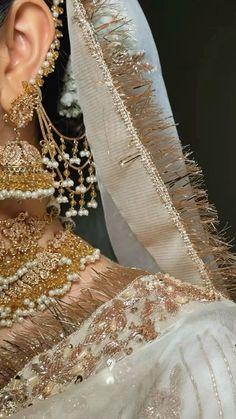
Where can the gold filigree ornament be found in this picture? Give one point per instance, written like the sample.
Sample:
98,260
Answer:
60,163
32,277
22,175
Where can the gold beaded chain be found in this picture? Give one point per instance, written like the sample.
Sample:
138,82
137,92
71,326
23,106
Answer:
32,277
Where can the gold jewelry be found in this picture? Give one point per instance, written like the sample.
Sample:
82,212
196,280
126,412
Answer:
55,156
31,277
21,172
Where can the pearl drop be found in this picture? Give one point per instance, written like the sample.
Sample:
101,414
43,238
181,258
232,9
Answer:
26,301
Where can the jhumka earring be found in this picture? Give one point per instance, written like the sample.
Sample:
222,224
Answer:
22,172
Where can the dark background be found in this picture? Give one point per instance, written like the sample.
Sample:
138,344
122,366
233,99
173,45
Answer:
196,40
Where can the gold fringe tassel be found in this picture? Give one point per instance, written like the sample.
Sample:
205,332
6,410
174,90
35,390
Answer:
181,175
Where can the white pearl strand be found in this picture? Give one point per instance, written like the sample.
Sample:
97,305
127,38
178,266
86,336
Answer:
17,194
43,301
6,281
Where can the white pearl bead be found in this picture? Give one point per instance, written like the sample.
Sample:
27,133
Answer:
39,300
45,64
17,194
34,195
26,301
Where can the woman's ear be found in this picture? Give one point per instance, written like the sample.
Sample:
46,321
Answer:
25,38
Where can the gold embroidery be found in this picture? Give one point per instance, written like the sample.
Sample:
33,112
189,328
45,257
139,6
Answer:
212,375
164,404
194,384
227,365
115,330
46,330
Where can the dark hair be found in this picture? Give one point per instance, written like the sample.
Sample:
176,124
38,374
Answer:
53,83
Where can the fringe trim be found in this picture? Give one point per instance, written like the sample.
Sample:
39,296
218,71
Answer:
184,196
42,332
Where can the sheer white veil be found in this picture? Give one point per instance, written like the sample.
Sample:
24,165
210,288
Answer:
156,218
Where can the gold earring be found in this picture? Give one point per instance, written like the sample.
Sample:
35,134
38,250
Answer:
61,164
21,172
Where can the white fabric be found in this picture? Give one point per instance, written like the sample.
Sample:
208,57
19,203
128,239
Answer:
138,207
199,350
118,229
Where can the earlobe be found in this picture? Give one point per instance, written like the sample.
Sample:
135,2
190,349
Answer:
29,32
